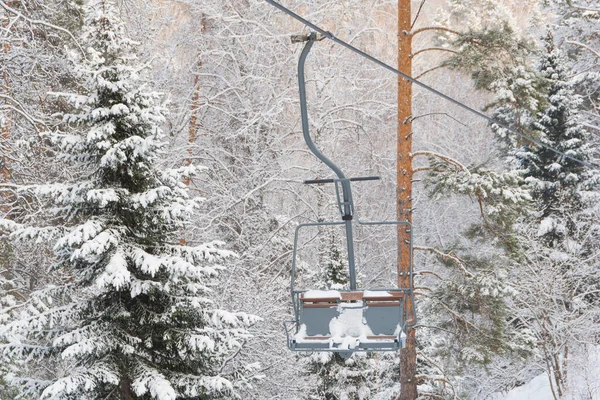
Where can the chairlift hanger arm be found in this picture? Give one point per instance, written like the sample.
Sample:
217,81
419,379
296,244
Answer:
310,40
345,200
357,179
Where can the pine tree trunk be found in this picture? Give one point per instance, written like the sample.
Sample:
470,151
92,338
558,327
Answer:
5,127
195,106
408,356
193,128
125,391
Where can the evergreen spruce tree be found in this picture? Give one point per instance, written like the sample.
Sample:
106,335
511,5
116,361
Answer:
560,238
133,318
560,186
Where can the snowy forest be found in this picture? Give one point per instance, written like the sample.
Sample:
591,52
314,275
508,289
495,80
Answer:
152,163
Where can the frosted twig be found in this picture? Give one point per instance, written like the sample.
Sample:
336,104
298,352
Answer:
584,46
444,379
585,8
435,28
231,357
446,256
44,23
445,158
458,316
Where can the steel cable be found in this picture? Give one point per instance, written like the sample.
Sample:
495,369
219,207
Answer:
436,92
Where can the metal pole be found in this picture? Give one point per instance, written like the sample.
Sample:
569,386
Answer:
346,194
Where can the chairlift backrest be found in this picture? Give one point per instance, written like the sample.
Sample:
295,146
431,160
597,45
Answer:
347,320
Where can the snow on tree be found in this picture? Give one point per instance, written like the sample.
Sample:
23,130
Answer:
32,62
351,378
542,206
134,317
577,27
560,238
467,289
465,312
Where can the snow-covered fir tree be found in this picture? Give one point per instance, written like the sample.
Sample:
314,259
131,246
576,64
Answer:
32,62
559,239
133,317
553,179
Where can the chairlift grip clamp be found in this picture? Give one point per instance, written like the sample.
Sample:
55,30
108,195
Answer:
305,38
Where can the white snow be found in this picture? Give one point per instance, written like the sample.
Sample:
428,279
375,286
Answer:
377,293
349,322
583,372
537,389
319,294
559,256
347,342
546,225
116,273
348,329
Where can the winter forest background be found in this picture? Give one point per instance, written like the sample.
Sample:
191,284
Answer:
150,183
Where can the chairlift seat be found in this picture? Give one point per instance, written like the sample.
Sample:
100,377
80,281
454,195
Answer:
348,320
369,320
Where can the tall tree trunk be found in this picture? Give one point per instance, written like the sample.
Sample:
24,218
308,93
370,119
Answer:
6,121
125,391
408,356
193,128
195,106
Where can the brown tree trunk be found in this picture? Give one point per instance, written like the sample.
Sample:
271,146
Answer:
195,106
408,356
193,128
125,391
5,126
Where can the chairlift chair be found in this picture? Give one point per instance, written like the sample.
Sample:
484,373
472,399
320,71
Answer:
345,321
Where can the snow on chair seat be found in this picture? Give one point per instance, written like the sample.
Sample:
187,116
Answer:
354,320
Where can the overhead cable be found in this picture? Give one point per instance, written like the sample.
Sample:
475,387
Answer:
436,92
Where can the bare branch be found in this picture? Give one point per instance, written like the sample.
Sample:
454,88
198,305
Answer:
439,113
431,49
445,158
585,8
435,28
429,70
44,23
583,46
447,256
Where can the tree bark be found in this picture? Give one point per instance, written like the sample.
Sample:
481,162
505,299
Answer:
125,391
5,127
193,128
408,356
195,106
